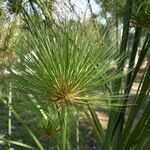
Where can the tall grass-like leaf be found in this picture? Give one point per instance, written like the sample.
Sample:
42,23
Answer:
142,55
137,37
138,129
143,138
97,123
135,109
114,122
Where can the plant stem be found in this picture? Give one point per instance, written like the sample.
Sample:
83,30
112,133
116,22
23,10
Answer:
143,53
97,123
77,131
137,36
128,85
9,114
117,126
126,25
135,109
64,125
117,31
95,128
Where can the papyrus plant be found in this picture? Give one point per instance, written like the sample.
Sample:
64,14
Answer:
64,67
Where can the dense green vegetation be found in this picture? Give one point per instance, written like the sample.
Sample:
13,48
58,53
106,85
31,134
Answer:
59,75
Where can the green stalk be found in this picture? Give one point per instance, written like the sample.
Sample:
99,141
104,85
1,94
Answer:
111,128
128,84
9,114
77,131
142,55
144,139
113,123
117,31
135,109
126,25
100,140
138,129
64,128
39,108
136,41
97,123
